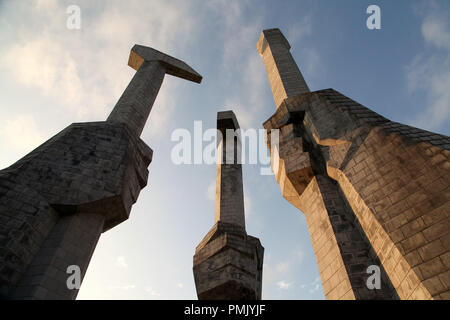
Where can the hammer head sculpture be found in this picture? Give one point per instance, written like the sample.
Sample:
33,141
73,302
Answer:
173,66
136,102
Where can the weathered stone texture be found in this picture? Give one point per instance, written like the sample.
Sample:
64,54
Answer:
391,186
228,262
228,265
132,107
95,169
229,189
71,242
56,201
285,77
26,220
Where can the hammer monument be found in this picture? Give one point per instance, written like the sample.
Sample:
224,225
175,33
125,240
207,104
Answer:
56,201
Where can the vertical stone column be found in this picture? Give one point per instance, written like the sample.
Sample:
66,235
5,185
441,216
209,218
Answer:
229,190
285,77
71,243
342,250
228,262
136,102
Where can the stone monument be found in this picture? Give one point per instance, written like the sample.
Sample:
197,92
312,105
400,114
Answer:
375,193
228,262
57,200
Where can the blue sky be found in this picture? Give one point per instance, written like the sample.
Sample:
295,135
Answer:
51,76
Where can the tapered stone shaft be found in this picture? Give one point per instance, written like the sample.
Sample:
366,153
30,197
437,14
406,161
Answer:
136,102
285,77
228,262
229,190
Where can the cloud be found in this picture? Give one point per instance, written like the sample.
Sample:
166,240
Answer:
284,285
152,292
312,286
47,65
297,35
429,72
300,254
239,34
247,206
315,285
248,98
125,288
85,71
22,132
299,30
211,191
315,288
278,273
121,263
283,267
435,31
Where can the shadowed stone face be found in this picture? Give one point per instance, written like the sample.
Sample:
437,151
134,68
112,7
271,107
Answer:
56,201
229,191
172,66
228,262
374,192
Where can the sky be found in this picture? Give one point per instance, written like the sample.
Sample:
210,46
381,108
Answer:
52,76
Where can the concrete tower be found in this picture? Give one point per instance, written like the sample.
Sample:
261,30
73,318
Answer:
375,193
228,262
56,201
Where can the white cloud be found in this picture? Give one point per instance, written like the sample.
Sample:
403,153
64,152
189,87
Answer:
125,288
85,71
247,206
121,263
430,73
300,254
283,267
129,287
299,30
211,191
435,31
46,4
297,35
241,58
315,285
152,292
315,288
46,64
21,132
269,274
278,273
239,35
284,285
